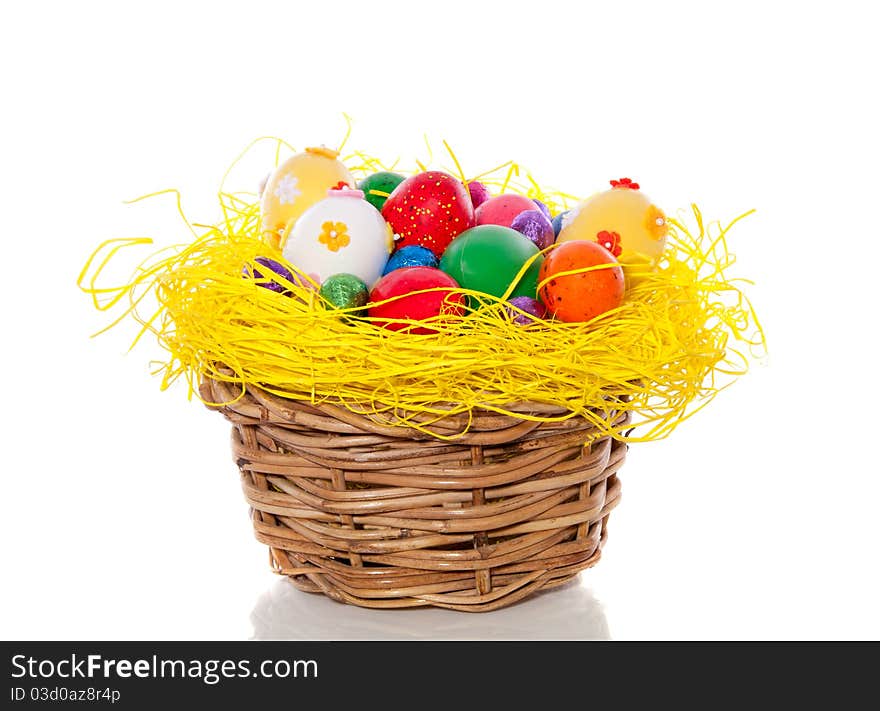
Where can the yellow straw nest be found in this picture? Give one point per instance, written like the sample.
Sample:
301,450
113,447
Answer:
681,335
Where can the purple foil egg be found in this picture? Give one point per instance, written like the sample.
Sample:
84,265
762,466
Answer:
530,306
543,208
268,282
534,225
479,193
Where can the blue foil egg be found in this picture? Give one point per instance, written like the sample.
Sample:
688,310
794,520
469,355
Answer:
413,255
557,222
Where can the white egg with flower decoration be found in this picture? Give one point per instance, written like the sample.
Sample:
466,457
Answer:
296,185
342,233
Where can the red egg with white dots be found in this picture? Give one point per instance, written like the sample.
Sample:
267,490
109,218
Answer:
429,209
502,209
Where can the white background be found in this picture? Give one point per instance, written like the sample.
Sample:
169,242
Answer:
121,512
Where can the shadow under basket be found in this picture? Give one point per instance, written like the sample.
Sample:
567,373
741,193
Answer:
391,517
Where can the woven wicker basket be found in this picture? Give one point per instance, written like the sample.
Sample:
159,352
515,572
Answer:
391,517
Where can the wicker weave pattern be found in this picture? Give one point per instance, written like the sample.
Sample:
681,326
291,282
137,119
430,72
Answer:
389,517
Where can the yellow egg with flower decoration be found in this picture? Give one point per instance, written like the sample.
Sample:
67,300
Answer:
296,185
625,222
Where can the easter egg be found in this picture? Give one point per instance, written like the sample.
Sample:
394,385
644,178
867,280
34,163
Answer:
344,291
557,222
534,225
264,277
479,193
533,309
501,209
429,209
625,221
487,258
296,185
413,256
580,297
261,186
341,234
378,186
543,208
401,283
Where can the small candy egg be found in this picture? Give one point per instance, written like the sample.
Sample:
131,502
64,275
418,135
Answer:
341,234
267,282
625,221
479,193
429,209
584,296
558,222
296,185
501,209
543,208
413,256
344,291
378,186
401,283
534,308
534,225
487,258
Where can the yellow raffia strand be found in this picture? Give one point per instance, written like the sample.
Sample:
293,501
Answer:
682,334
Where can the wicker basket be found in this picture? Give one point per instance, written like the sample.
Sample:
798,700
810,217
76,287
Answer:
390,517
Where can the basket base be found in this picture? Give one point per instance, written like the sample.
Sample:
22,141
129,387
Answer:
386,516
511,589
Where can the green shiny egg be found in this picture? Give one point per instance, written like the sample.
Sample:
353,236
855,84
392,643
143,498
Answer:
487,258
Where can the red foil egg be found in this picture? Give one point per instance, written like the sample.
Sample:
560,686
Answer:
479,193
401,283
429,209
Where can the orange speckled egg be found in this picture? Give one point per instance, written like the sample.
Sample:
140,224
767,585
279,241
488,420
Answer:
584,296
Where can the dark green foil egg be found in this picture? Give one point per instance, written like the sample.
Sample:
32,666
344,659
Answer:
345,291
378,186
